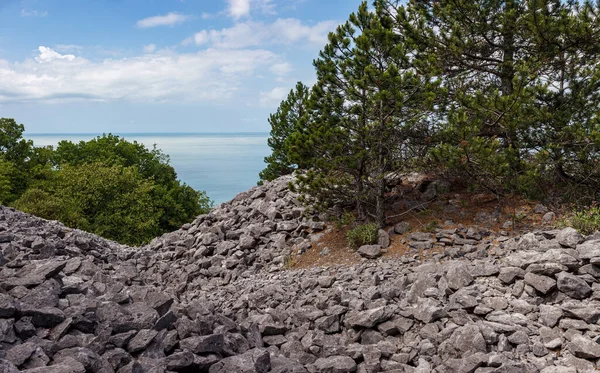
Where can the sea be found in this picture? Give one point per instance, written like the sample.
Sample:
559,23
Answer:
222,164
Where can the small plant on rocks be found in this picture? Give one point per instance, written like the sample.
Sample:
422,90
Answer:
365,234
585,221
346,219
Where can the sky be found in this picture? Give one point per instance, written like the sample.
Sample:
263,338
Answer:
133,66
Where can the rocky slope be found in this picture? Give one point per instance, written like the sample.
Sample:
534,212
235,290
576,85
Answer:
213,297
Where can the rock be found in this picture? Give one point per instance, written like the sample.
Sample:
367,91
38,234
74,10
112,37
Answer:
370,251
334,364
45,317
20,353
253,361
572,285
7,367
141,340
428,310
569,237
458,276
247,242
383,239
558,369
402,227
7,306
203,344
215,296
369,318
584,347
549,315
589,249
542,284
528,242
420,236
508,275
463,341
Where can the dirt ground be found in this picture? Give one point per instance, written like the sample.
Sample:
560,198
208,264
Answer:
454,209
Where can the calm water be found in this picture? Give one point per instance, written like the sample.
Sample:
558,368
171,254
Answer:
221,164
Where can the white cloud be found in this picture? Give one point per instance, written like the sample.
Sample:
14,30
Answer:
208,75
149,48
33,13
238,8
281,69
254,34
48,55
273,97
169,19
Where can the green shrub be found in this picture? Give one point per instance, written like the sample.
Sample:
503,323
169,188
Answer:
585,221
366,234
346,219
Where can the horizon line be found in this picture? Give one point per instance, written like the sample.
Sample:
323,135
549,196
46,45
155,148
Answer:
145,133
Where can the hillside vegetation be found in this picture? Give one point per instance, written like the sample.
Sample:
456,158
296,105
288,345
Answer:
501,95
109,186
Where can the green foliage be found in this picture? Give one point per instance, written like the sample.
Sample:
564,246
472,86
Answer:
346,219
501,94
6,170
18,152
177,202
366,115
365,234
112,201
522,82
283,123
109,186
586,221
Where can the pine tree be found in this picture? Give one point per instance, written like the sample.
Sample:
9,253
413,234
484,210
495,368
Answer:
366,115
499,60
283,123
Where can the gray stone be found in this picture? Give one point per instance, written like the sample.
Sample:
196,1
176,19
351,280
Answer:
572,285
7,306
7,367
508,275
528,242
334,364
179,360
548,217
458,276
253,361
549,315
45,317
569,237
589,249
584,347
559,369
402,227
428,310
20,353
542,284
464,340
383,239
202,344
369,318
141,340
370,251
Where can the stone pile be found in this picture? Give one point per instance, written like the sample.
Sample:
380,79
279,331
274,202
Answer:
214,297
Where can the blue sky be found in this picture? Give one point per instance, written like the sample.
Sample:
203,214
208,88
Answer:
72,66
